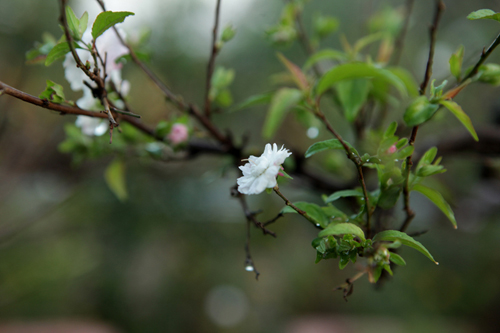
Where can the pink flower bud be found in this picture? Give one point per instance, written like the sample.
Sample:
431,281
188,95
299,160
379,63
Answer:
392,149
178,134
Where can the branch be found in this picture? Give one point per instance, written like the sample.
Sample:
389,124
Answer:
410,214
211,62
298,210
355,159
399,44
66,109
484,56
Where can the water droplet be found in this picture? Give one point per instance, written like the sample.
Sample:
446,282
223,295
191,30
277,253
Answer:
318,225
249,268
312,132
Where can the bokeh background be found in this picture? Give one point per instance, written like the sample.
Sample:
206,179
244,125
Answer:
171,258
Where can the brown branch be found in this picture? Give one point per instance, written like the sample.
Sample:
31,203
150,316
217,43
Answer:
440,7
399,44
356,160
298,210
484,56
410,214
211,62
66,109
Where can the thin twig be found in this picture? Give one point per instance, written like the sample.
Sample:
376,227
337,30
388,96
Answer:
399,44
211,63
484,56
249,264
298,210
356,160
410,214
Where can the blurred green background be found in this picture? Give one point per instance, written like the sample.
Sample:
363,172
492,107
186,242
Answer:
171,258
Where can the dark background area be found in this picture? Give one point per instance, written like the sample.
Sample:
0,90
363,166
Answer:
171,258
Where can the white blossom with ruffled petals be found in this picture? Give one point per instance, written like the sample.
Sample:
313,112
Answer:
261,172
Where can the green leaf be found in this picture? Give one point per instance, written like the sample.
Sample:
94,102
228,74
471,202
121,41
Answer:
367,40
391,130
313,210
427,158
84,21
325,25
352,95
484,14
394,235
324,55
429,170
456,62
115,178
58,52
299,77
228,33
344,193
53,92
253,101
438,200
461,116
282,101
73,23
106,20
357,71
325,145
490,73
419,111
342,229
397,259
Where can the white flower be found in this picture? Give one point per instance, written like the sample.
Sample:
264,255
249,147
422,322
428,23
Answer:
91,126
261,172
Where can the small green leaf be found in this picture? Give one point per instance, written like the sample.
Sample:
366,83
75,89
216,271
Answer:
429,170
391,130
299,77
106,20
357,71
405,152
344,193
324,55
84,21
342,229
73,23
115,178
427,158
282,101
352,95
490,73
53,92
394,235
397,259
461,116
438,200
253,101
58,52
325,25
325,145
484,14
419,111
313,210
228,33
456,62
